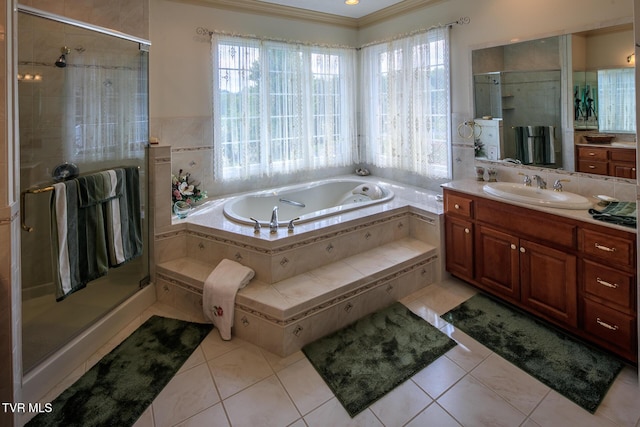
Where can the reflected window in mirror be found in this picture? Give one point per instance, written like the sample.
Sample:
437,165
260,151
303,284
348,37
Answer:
616,100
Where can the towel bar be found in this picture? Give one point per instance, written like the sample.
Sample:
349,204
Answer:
39,190
23,195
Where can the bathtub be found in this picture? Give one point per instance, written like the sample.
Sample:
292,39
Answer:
309,202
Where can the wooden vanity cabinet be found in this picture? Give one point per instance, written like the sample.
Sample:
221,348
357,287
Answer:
612,161
622,163
517,258
577,275
593,160
608,288
459,230
459,254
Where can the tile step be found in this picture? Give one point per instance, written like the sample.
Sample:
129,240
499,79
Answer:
284,299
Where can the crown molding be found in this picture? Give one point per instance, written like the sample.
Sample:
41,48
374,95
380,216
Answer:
404,7
270,9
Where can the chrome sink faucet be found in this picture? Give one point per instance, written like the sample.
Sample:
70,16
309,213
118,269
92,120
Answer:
527,180
540,182
273,224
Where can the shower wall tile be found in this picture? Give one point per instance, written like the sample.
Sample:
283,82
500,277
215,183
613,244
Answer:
198,161
160,179
128,16
53,6
191,139
133,17
181,132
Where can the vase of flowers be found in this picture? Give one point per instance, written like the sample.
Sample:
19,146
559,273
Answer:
185,189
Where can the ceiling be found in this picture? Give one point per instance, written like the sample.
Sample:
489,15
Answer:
337,7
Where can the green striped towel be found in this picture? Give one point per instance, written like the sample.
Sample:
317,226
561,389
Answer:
620,213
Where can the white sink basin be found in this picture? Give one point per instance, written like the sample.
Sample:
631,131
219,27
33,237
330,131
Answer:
534,196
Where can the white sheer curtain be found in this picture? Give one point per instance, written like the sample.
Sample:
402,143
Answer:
617,101
105,112
281,107
406,103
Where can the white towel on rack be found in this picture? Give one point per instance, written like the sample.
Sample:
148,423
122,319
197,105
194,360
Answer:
219,293
64,280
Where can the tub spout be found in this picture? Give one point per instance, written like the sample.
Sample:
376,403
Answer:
273,224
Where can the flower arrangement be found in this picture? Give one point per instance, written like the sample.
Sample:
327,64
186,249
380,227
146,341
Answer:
184,188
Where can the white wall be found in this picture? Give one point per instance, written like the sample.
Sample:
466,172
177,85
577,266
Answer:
180,60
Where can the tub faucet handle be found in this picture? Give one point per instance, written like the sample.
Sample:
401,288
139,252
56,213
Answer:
290,226
256,226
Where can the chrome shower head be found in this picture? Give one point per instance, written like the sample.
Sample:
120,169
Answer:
61,62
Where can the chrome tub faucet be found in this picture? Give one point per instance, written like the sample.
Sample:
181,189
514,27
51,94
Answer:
273,224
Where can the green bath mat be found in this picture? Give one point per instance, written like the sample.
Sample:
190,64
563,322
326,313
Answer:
119,388
574,369
369,358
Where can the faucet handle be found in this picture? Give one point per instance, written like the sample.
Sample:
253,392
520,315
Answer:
527,179
256,226
557,186
290,226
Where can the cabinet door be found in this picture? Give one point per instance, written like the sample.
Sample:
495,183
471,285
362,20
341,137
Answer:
548,282
497,262
623,169
459,247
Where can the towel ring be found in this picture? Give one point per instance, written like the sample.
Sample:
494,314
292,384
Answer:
467,130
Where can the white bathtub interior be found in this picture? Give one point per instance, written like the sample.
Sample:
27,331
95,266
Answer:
307,202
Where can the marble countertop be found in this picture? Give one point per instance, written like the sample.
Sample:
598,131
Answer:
474,188
631,145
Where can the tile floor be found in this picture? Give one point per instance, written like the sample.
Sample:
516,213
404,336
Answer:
234,383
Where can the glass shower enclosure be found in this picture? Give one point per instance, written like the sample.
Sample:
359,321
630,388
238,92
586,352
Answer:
83,107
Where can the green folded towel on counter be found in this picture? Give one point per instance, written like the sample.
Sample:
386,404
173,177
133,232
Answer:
620,213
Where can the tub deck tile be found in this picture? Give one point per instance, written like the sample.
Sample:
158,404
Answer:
317,289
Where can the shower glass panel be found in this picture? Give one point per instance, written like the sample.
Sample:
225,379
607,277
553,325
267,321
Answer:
83,101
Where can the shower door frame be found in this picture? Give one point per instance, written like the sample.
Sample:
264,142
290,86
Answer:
64,360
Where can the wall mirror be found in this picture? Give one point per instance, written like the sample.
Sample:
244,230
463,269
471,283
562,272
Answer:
520,98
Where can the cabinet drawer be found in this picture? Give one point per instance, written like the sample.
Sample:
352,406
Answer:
609,325
593,153
623,154
589,166
606,247
458,205
527,223
611,285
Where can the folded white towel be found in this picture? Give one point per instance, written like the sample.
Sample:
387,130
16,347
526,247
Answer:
219,294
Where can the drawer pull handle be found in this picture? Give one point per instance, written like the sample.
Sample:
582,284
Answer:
457,206
606,325
604,248
592,153
591,167
466,230
523,250
607,284
514,247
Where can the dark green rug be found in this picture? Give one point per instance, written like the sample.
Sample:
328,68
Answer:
369,358
574,369
119,388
